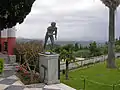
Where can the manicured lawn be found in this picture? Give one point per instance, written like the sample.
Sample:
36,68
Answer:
98,73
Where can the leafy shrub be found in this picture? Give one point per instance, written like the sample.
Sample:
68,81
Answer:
82,53
1,65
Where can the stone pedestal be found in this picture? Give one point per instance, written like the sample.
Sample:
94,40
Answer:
48,65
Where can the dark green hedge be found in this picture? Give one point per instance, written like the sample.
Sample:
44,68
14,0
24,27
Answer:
1,65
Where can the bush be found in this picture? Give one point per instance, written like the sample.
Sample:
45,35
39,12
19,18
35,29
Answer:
82,53
1,65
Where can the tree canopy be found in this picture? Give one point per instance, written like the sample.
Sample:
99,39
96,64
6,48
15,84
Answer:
111,3
13,12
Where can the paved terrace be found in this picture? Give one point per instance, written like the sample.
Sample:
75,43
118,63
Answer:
9,81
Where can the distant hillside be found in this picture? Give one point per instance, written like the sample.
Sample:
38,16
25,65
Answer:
84,43
22,40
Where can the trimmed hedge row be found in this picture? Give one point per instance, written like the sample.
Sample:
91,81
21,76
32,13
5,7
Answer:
1,65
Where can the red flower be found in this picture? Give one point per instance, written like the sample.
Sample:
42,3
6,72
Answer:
20,68
17,66
26,73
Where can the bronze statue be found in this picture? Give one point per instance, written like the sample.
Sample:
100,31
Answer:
51,31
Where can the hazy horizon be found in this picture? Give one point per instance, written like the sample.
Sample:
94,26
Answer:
61,39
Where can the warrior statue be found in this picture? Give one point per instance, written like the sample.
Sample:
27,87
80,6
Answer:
51,31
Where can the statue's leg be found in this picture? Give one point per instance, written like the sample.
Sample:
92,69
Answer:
52,42
46,39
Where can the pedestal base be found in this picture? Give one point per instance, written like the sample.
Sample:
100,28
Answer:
52,82
48,65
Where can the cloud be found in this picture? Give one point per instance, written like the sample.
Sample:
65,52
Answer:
76,19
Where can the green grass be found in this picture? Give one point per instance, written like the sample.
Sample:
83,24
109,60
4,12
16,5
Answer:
98,73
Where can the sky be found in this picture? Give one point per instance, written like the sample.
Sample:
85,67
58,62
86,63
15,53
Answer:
76,20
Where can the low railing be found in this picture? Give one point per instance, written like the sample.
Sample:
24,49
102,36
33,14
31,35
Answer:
80,63
86,84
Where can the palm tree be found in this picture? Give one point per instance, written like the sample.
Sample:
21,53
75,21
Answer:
112,5
66,54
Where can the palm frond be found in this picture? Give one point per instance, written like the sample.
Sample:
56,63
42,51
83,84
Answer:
111,3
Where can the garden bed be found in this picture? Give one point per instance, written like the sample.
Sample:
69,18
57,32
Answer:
25,76
26,79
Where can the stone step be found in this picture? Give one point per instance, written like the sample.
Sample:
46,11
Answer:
39,85
8,58
64,87
14,64
60,86
10,66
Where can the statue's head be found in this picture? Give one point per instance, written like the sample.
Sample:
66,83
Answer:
53,24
